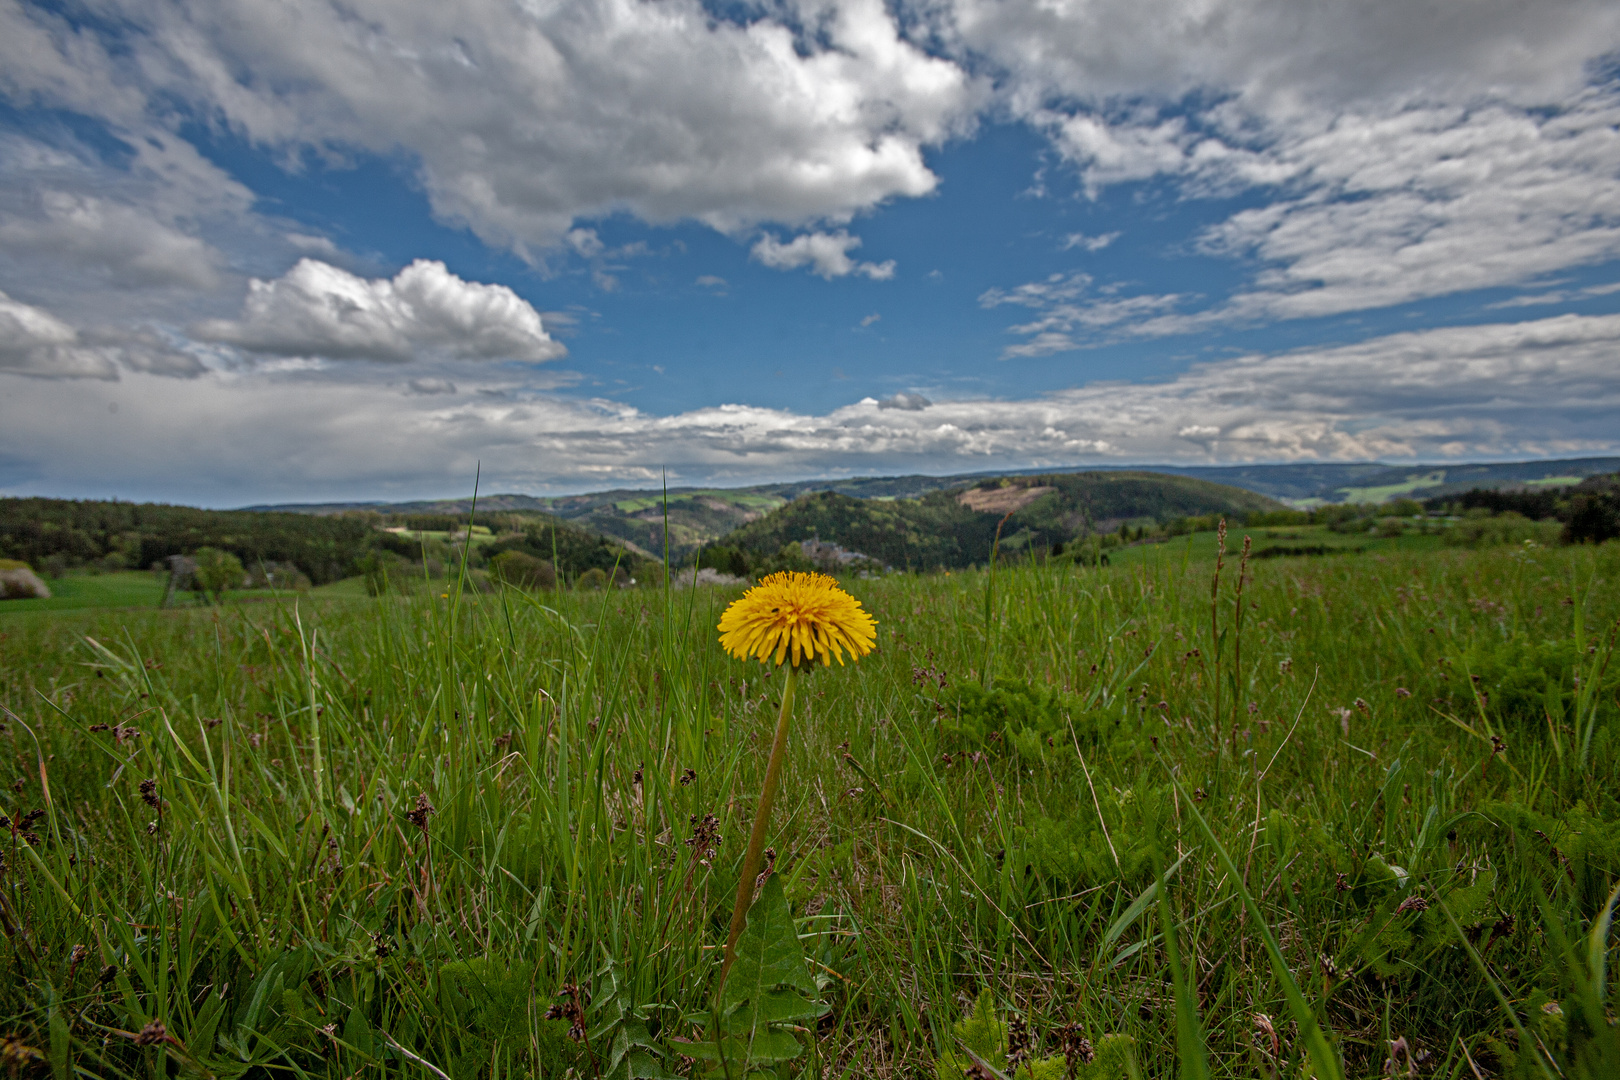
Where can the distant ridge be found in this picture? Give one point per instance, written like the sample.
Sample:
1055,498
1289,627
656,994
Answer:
1298,481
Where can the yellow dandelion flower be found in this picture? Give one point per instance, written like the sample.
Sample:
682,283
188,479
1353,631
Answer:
797,617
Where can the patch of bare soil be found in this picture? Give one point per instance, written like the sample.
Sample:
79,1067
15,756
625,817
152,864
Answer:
1000,500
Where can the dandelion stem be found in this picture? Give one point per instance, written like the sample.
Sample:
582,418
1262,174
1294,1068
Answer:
762,822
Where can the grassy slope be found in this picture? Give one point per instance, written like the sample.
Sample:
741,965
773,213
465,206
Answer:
526,727
1425,482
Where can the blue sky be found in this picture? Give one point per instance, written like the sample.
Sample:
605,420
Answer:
273,252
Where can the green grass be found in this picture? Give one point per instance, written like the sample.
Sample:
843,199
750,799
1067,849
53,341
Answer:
135,589
1344,851
1200,547
1414,482
129,589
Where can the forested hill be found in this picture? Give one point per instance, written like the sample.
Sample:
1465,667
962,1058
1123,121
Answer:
956,528
119,535
696,517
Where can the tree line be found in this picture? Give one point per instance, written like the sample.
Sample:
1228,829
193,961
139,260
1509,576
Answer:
54,535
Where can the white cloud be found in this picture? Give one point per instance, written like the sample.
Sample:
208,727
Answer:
1387,209
1088,243
1038,294
1452,199
314,245
1071,319
526,117
906,400
1275,56
827,255
133,248
35,342
1398,151
1557,296
319,310
870,320
1542,388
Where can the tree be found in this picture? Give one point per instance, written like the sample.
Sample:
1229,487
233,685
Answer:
216,571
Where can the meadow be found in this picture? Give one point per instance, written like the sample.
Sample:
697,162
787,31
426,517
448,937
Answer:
1354,815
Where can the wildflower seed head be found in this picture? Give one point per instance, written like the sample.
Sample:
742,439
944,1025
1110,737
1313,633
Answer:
419,815
153,1033
797,618
1076,1048
705,838
1018,1042
149,795
770,868
1412,903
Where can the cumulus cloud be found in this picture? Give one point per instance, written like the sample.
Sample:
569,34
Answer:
319,310
1543,388
526,117
827,255
906,400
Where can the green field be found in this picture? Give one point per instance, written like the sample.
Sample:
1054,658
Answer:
1382,493
129,589
1360,800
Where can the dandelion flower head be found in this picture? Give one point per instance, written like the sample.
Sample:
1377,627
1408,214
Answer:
797,617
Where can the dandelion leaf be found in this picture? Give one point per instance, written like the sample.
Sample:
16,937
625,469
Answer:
768,993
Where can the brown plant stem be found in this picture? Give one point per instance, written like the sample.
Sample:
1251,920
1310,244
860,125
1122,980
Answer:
1215,626
1237,646
762,823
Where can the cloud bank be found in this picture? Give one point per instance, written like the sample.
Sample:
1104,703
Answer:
1542,388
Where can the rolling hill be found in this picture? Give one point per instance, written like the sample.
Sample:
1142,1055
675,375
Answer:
699,516
956,528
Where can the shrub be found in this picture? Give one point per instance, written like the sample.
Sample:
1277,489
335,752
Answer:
382,570
216,571
1503,529
1593,518
726,559
523,571
594,578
